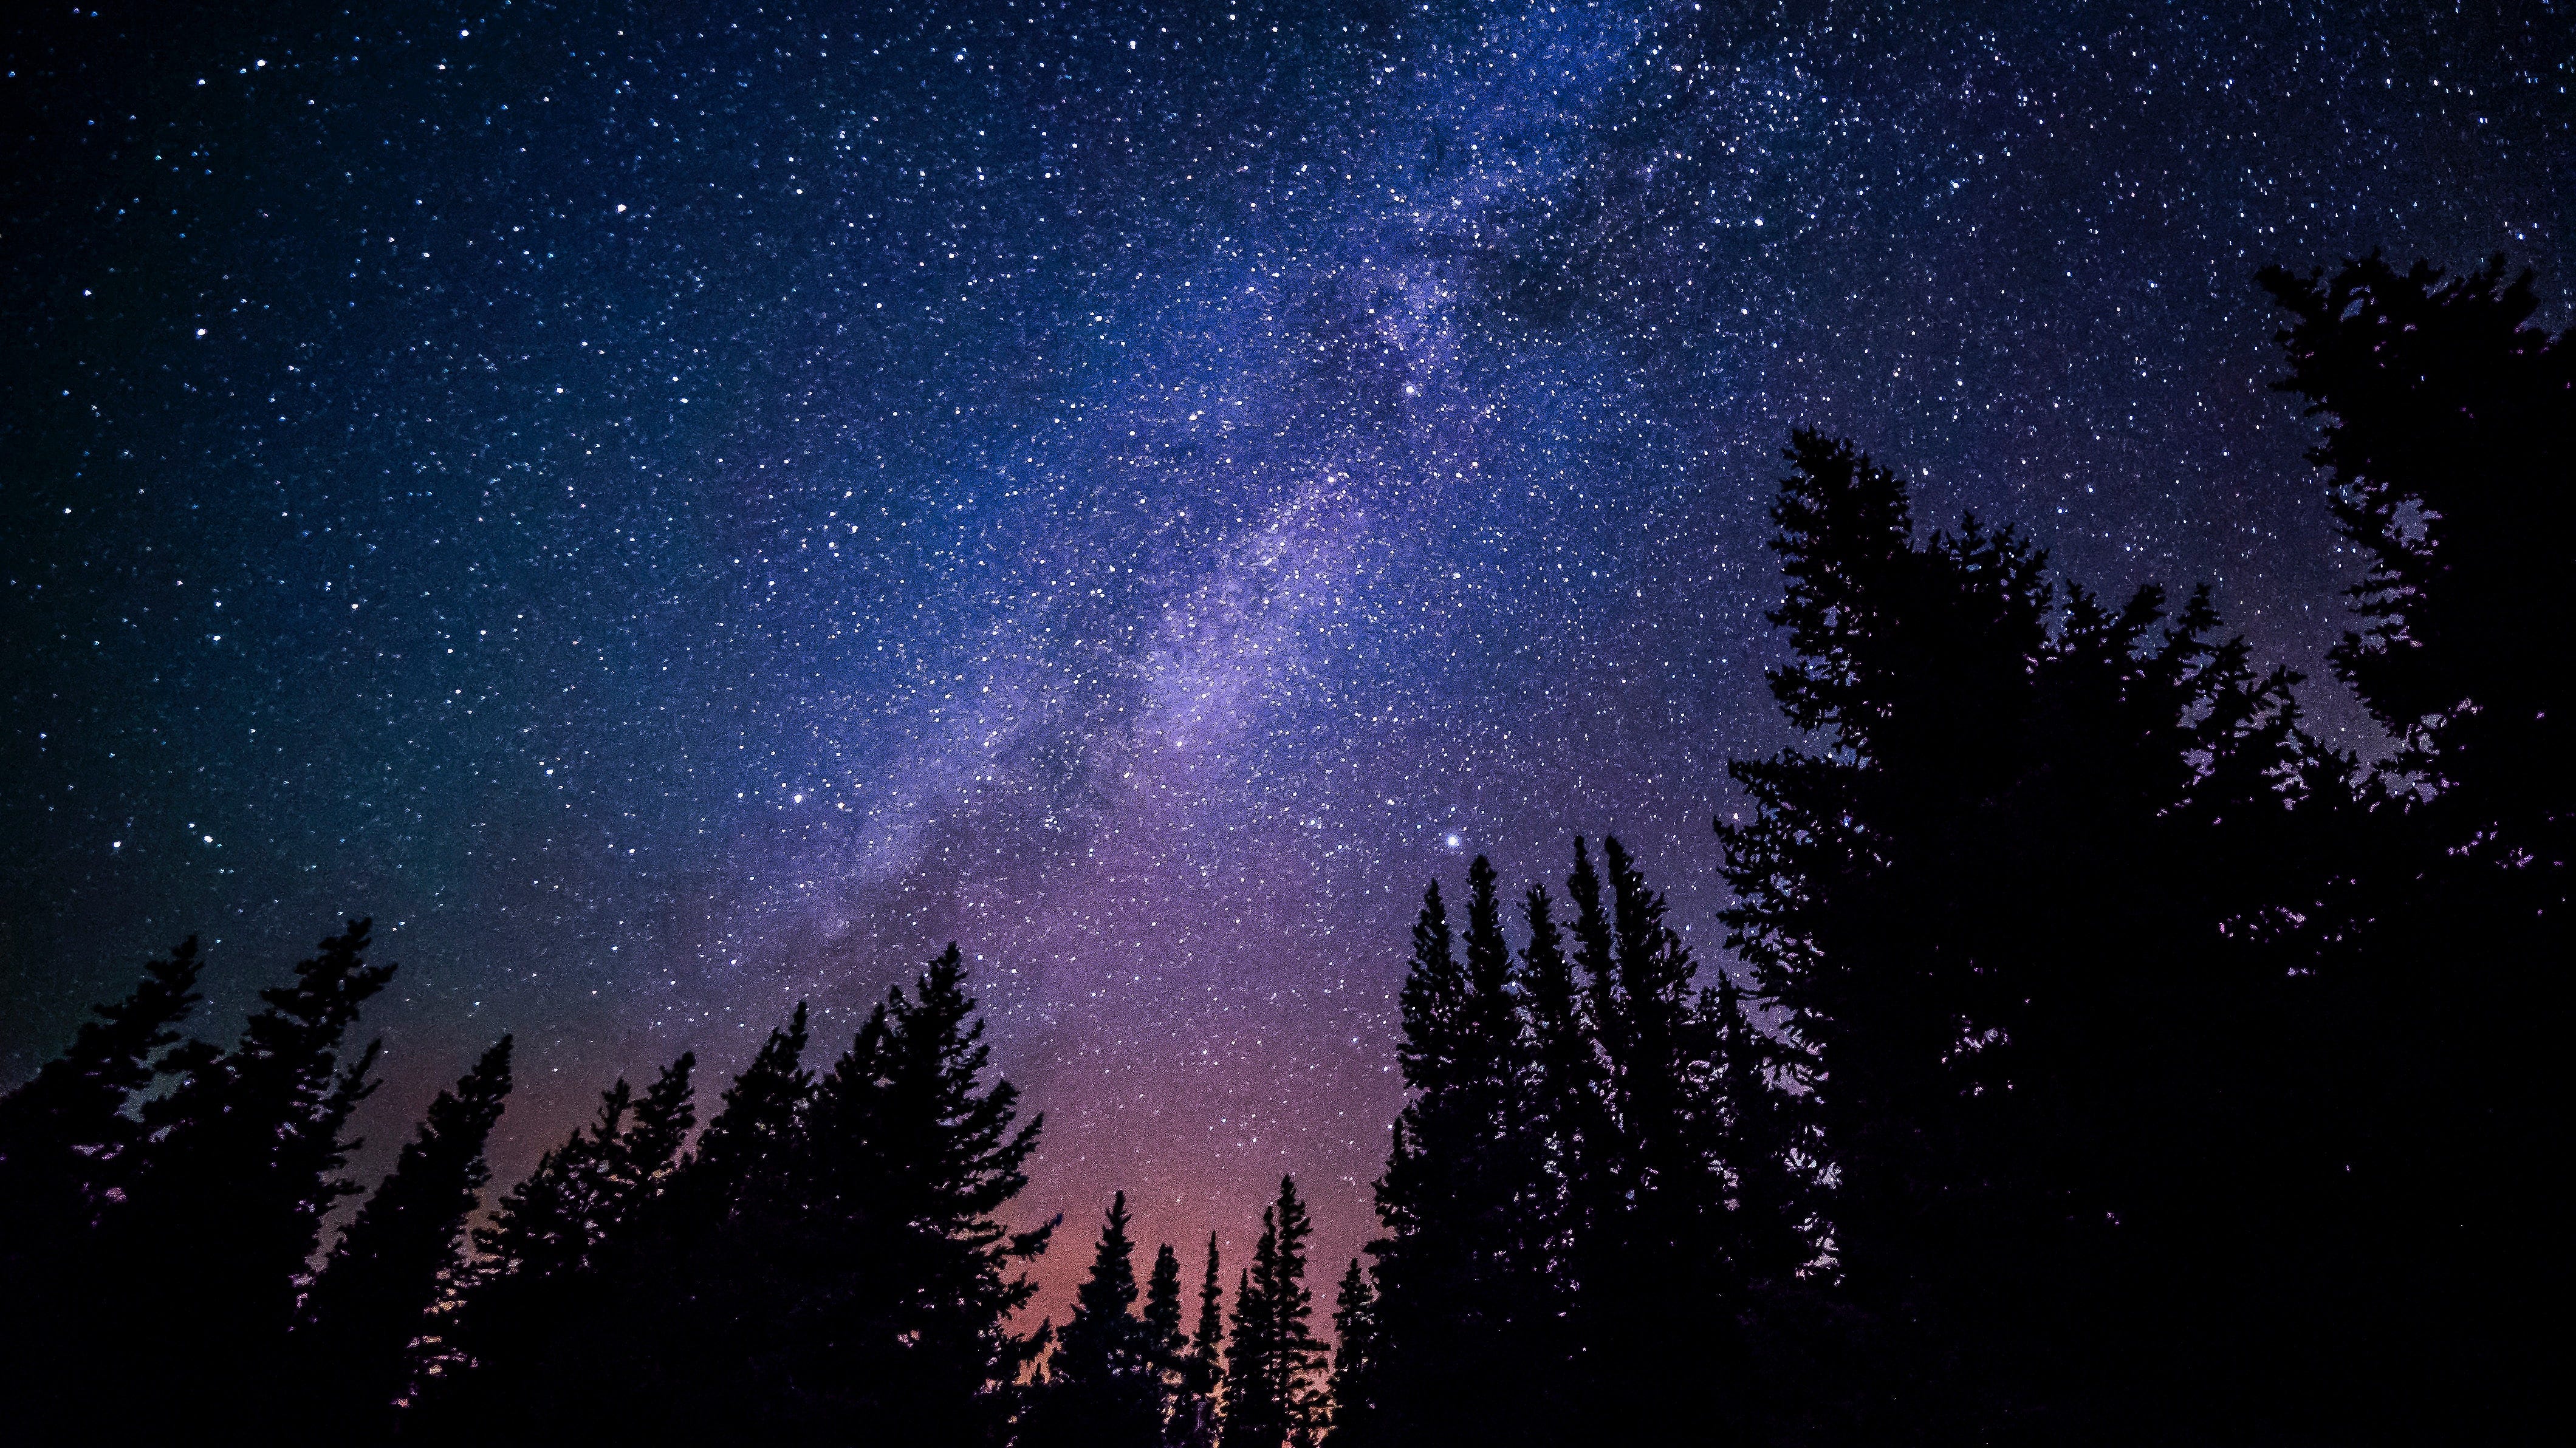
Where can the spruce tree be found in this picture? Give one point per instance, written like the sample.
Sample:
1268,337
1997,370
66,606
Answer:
746,1146
531,1334
1271,1363
69,1151
1165,1340
1253,1417
2448,433
2028,809
1194,1420
884,1239
225,1211
1354,1353
1104,1380
2450,430
374,1295
1163,1311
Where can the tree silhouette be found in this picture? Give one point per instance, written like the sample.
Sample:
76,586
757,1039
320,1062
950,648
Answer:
1971,903
536,1331
1194,1419
1355,1345
1169,1345
1273,1354
374,1295
2451,423
69,1155
225,1212
2450,428
1104,1383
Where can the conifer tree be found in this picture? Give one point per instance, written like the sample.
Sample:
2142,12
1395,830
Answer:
1166,1341
1558,1109
225,1212
1466,1197
1163,1311
1966,901
904,1280
1194,1421
2449,431
1271,1362
374,1295
524,1341
1354,1352
69,1149
1104,1382
1762,1149
1252,1412
747,1143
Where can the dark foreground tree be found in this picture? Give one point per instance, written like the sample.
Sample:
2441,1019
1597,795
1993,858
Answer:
69,1153
1104,1382
826,1265
372,1301
1194,1408
164,1200
212,1250
541,1288
2021,911
1355,1349
1271,1361
2449,440
1594,1179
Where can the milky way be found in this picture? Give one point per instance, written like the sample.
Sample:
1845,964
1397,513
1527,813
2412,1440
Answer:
677,512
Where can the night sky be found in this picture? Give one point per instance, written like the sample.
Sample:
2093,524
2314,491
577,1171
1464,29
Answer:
681,509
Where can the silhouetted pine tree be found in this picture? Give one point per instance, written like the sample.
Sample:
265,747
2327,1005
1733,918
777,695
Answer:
1194,1421
1354,1351
1763,1148
1163,1311
211,1254
900,1279
69,1151
1577,1197
1104,1382
748,1145
2452,424
2450,434
1271,1361
374,1295
1973,904
1558,1109
533,1326
1465,1185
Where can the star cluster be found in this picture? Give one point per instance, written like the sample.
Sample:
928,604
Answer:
679,510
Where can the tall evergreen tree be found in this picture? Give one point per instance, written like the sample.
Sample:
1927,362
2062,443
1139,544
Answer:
1272,1360
904,1282
1557,1111
1970,904
374,1295
1104,1383
1194,1415
1164,1337
69,1151
534,1327
2449,431
2451,426
1163,1311
226,1211
1465,1292
1354,1350
747,1146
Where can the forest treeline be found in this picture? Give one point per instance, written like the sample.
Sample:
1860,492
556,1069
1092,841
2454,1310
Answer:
2100,1058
